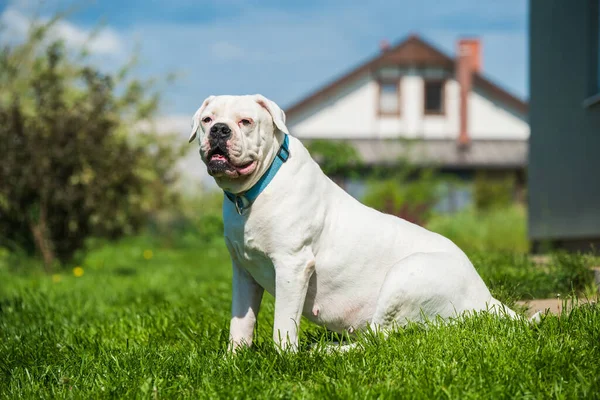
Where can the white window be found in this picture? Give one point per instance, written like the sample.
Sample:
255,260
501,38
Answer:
389,97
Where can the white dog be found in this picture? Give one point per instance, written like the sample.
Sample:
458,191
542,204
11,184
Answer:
293,232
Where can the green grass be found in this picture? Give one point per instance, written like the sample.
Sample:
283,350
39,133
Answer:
516,276
501,230
132,327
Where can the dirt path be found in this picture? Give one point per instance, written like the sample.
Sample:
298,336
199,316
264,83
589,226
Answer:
555,305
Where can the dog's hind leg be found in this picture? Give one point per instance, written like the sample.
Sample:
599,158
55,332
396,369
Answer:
426,286
496,307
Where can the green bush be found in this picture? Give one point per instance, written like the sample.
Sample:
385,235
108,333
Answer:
493,191
72,166
335,157
574,272
408,197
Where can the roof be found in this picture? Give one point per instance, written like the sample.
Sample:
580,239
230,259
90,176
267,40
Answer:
442,152
413,51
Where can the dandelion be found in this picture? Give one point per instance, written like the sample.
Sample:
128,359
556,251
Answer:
56,278
148,254
78,271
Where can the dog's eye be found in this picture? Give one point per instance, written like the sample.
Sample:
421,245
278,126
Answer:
245,122
206,120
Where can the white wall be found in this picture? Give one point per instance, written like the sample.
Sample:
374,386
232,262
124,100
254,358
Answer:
489,119
352,113
349,114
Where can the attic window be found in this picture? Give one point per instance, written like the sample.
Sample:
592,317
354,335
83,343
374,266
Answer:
389,97
434,97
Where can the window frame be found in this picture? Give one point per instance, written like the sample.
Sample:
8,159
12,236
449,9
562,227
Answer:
443,83
387,81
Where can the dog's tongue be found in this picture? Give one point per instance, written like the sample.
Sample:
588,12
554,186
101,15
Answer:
217,157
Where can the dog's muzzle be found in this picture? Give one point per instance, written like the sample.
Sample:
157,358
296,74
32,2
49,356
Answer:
218,161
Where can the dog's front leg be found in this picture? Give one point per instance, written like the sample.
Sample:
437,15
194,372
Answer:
291,284
246,298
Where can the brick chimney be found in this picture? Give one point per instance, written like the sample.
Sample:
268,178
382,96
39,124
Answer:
468,61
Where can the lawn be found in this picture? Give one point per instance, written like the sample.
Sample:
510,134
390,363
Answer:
143,320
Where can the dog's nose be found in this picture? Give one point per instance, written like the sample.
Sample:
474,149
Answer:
220,131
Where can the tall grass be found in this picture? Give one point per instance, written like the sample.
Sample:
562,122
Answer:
497,230
496,241
517,277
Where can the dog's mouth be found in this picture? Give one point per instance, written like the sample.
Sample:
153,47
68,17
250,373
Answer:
217,154
219,164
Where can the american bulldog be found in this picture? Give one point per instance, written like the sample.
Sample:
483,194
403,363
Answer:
293,232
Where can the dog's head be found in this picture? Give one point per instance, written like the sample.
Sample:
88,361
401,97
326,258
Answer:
239,137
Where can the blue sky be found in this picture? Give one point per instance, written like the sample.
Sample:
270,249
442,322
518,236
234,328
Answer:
282,49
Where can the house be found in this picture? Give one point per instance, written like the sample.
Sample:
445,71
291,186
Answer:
564,169
412,101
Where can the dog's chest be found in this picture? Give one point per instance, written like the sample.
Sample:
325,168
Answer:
249,251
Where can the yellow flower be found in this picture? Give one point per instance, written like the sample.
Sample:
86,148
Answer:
78,271
148,254
56,278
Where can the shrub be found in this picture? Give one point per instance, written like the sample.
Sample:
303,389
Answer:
70,166
335,157
408,197
493,191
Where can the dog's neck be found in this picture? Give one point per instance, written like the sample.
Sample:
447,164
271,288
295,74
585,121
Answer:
243,201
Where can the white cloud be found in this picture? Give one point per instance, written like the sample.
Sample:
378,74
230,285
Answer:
226,51
16,25
177,124
104,42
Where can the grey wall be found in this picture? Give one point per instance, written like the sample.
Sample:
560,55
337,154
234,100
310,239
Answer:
564,152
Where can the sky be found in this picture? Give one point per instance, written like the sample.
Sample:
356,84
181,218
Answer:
284,50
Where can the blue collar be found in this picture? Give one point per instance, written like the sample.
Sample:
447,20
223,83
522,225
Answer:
243,201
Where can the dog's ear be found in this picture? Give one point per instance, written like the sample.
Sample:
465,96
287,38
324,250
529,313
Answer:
276,113
196,117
